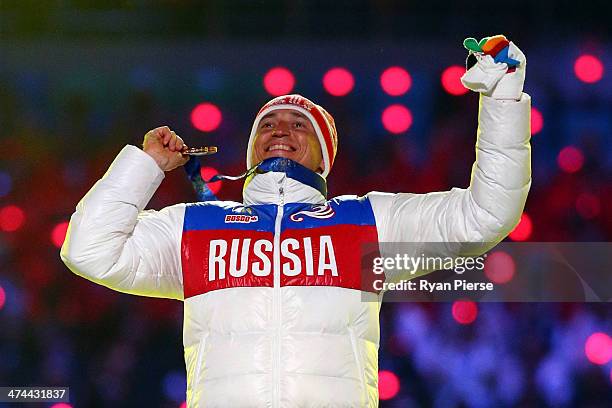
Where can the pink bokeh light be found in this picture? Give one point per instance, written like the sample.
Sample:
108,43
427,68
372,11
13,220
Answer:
388,385
500,267
58,234
523,230
537,121
464,311
338,81
451,80
395,81
206,117
588,68
11,218
397,118
598,348
570,159
278,81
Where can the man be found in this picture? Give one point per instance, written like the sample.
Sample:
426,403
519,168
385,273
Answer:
275,314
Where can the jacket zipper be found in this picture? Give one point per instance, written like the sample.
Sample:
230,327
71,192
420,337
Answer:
276,301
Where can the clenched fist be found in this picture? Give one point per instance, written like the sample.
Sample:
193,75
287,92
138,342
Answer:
165,147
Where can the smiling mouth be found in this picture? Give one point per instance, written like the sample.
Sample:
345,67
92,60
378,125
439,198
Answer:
283,147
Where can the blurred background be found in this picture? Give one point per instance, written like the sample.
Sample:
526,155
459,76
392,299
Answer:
79,79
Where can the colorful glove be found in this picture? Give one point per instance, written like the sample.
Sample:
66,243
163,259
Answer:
495,67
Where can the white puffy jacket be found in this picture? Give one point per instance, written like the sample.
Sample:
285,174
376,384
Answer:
292,328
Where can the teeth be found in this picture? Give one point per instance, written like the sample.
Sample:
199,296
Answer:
280,147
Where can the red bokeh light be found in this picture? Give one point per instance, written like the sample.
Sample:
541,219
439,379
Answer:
61,405
523,230
279,81
588,205
388,385
588,68
206,117
598,348
207,173
2,297
58,234
395,81
11,218
570,159
537,121
500,267
183,405
338,81
464,311
451,80
397,118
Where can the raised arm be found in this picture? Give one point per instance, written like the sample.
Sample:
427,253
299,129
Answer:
488,210
113,242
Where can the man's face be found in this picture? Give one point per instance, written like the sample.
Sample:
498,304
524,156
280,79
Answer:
288,133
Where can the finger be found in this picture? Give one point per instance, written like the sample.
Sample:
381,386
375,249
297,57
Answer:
179,144
165,134
172,143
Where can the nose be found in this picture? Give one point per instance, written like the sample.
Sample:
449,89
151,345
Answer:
282,129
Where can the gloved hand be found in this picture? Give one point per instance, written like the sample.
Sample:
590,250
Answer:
495,67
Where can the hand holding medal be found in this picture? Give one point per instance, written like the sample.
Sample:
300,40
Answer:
168,149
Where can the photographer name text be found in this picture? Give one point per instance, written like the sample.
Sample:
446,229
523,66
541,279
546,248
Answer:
423,285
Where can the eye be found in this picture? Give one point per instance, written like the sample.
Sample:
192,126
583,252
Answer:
299,124
266,125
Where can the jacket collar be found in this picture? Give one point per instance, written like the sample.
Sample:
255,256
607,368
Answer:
282,181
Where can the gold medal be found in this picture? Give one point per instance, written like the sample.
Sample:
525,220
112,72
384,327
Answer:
200,151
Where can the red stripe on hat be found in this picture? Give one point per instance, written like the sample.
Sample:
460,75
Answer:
327,137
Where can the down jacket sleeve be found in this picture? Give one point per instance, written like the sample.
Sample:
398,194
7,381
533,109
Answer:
113,242
484,213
